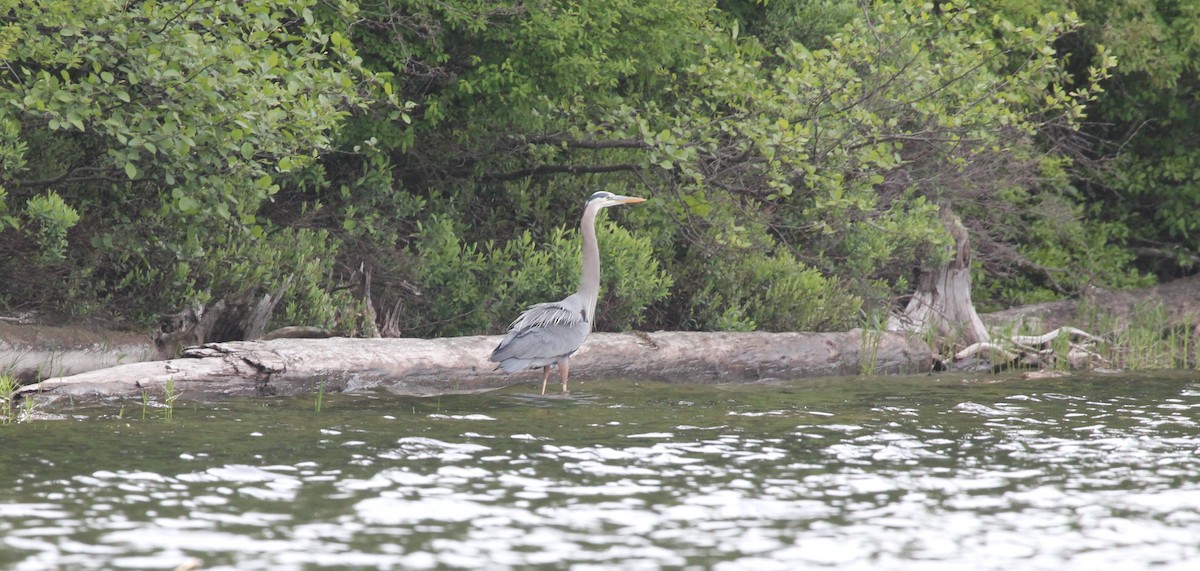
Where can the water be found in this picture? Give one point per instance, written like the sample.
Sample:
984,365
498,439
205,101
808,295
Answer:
896,473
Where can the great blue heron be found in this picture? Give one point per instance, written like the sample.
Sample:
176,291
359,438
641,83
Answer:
549,333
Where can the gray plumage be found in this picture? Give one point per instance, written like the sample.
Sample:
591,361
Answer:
549,333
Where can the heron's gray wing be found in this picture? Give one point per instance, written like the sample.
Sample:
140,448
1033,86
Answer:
568,311
542,335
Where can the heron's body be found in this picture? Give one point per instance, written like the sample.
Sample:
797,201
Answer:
549,333
543,335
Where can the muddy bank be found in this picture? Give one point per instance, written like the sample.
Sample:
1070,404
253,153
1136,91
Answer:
459,364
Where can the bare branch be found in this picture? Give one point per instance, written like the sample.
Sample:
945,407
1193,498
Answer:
542,170
559,140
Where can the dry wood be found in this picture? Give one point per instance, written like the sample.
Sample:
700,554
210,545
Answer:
1035,351
941,306
942,301
990,350
459,364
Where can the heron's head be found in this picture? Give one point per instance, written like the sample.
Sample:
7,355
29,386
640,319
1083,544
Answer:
604,199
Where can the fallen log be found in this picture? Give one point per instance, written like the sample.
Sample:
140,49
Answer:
459,364
29,353
1102,310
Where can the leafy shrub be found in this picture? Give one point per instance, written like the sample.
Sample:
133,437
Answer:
49,218
471,288
299,261
752,289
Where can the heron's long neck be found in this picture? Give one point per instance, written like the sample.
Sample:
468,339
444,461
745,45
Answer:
589,282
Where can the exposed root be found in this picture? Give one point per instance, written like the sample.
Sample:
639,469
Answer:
993,350
1048,337
1035,350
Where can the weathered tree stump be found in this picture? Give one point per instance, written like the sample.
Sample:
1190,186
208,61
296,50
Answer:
941,306
234,318
942,302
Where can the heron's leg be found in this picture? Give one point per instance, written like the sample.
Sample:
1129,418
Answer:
545,377
564,370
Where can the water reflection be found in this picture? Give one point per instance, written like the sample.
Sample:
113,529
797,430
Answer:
1087,474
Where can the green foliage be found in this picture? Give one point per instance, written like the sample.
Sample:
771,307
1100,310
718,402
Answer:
759,286
632,278
844,148
1154,189
250,94
48,219
1135,165
8,388
167,127
481,288
456,278
799,154
12,147
299,258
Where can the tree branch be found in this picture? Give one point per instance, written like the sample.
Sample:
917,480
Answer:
542,170
582,143
70,176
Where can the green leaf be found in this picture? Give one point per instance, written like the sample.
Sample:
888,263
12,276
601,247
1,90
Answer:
131,170
188,205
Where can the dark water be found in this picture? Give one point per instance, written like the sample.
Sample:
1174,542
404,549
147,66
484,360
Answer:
895,473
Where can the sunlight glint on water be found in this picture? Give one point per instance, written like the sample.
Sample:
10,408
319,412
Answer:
1086,473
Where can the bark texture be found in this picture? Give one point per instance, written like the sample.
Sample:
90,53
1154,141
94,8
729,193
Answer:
243,316
459,364
30,352
942,301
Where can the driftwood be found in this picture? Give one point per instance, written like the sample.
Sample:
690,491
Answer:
242,316
941,309
30,352
86,361
459,364
1169,309
1035,350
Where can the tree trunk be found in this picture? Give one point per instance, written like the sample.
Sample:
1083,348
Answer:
235,318
942,303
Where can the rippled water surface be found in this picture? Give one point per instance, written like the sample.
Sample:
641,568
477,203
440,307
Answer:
893,473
